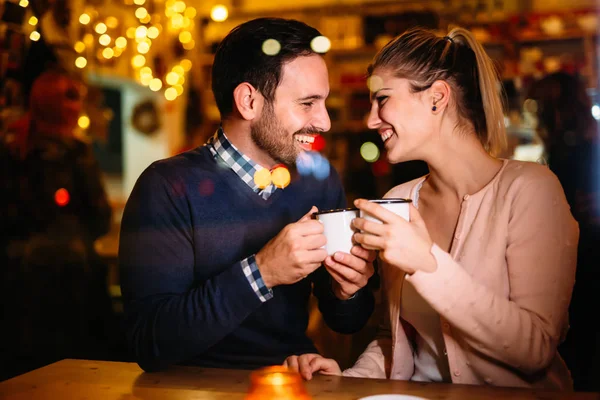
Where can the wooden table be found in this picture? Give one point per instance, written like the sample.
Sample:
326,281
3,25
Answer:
81,379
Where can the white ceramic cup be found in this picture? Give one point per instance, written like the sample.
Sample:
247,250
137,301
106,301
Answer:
337,225
400,207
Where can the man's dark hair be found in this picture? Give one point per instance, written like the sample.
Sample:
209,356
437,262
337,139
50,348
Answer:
240,57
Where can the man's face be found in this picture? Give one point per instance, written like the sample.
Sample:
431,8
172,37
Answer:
297,115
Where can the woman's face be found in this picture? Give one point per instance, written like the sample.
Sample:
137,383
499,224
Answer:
403,119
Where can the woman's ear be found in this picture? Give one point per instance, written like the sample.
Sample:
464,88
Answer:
440,96
248,101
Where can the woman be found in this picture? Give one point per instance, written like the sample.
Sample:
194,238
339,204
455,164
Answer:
478,283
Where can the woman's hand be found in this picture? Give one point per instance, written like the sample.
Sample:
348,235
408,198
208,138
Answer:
308,364
405,245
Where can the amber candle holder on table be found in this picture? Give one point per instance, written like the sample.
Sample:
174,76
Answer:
276,382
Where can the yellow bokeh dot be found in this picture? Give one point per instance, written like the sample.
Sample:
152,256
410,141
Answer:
179,6
84,19
88,39
141,32
130,33
153,32
80,62
139,2
34,36
33,21
145,79
101,28
190,12
185,37
271,47
79,47
104,40
83,122
121,42
146,71
170,94
112,22
155,84
141,13
178,69
172,78
189,45
262,178
146,19
369,151
320,44
138,61
24,3
108,53
281,177
186,64
178,89
143,48
219,13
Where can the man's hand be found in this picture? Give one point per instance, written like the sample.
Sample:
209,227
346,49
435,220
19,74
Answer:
294,253
308,364
350,272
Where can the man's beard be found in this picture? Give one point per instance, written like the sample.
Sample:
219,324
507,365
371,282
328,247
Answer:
269,135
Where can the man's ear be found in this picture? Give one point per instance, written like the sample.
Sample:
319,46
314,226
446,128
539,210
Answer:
248,101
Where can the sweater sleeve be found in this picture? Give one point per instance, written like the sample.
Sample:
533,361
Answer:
343,316
524,330
171,317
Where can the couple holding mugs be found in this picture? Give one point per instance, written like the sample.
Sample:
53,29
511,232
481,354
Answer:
477,270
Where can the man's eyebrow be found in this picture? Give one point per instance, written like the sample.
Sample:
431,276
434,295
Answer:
311,97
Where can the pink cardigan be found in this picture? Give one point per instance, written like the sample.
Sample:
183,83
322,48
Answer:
502,293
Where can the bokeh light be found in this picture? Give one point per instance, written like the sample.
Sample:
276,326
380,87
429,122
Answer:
190,12
33,20
320,44
84,19
313,163
185,37
108,53
152,32
79,47
143,48
141,32
369,151
139,2
219,13
112,22
271,47
141,13
596,111
318,144
62,197
104,40
170,94
24,3
83,122
100,28
80,62
281,177
121,42
130,33
34,36
186,64
262,178
138,61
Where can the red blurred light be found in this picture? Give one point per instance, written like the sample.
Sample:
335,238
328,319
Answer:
318,144
381,167
62,197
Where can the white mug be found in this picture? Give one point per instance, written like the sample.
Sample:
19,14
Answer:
400,207
337,225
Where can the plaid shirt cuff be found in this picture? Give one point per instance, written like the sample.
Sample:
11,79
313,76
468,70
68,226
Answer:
255,279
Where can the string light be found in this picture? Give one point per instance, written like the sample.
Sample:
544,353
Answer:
108,53
172,78
138,61
88,39
186,64
219,13
33,20
141,32
35,36
143,48
121,42
130,33
155,84
178,89
185,37
104,40
83,122
139,2
24,3
112,22
79,47
141,13
152,32
170,94
100,28
178,69
146,71
179,7
145,80
189,12
146,19
189,45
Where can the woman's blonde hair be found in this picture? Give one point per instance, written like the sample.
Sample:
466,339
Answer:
423,57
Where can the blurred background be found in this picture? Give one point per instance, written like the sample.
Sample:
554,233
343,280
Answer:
139,83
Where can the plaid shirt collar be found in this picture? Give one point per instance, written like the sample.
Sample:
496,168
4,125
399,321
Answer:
241,164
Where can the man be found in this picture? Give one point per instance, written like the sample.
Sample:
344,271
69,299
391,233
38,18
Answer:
216,271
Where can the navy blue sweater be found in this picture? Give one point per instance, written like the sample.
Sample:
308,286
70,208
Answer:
187,225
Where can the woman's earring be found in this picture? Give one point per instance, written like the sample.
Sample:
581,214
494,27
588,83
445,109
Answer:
434,108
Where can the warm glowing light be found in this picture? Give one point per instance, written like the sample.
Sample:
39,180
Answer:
219,13
104,40
138,61
186,64
320,44
100,28
35,36
185,37
141,13
369,151
281,177
172,78
139,2
146,19
121,42
177,21
80,62
62,197
130,33
112,22
170,94
262,178
596,112
190,12
24,3
179,6
155,84
152,32
88,39
141,32
178,69
187,23
83,122
108,53
146,71
143,48
79,47
189,45
178,89
145,80
33,21
271,47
